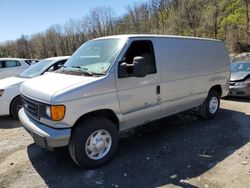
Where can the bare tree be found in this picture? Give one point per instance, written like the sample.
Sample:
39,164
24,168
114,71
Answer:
193,13
101,21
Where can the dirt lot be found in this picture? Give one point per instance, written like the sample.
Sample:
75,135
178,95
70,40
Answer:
180,151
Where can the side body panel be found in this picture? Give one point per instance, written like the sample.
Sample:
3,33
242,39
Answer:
189,68
5,100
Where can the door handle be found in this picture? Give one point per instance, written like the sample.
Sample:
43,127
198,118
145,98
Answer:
158,90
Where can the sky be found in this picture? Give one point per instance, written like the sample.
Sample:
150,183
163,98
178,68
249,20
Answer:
32,16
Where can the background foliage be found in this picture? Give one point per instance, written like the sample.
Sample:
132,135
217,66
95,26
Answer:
227,20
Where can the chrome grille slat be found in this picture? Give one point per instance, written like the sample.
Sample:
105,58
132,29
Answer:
30,104
31,107
232,83
34,111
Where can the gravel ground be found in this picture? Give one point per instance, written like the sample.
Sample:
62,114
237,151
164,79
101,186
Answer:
179,151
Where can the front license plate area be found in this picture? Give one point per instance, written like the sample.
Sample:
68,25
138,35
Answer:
39,140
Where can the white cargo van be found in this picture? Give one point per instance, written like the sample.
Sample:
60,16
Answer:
115,83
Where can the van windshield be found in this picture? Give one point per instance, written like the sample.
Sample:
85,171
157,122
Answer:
93,57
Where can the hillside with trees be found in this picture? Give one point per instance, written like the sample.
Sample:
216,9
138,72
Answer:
227,20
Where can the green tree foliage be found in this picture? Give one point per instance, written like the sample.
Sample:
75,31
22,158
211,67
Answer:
227,20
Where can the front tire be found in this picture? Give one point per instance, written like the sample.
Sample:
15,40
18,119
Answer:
15,106
93,142
211,105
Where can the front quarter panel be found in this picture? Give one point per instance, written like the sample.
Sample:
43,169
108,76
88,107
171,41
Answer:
9,94
97,95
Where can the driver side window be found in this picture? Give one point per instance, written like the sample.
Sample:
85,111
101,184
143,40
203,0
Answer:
143,48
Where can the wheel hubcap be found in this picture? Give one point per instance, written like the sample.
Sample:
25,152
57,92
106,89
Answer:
213,105
98,144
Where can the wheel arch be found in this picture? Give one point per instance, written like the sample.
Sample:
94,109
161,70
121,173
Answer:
107,113
13,99
217,88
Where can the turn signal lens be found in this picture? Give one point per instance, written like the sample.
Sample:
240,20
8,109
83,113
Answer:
57,112
1,92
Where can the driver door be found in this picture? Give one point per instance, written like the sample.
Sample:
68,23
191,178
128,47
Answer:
139,97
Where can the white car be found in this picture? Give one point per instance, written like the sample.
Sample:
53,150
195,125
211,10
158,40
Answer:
10,100
12,66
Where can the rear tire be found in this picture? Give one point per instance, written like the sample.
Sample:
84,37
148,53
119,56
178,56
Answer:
15,106
93,142
211,105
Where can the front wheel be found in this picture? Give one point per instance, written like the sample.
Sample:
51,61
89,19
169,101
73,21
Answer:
15,106
93,142
211,105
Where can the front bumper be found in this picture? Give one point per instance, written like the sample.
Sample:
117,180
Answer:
241,91
43,135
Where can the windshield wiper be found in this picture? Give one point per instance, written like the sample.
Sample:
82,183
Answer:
98,74
83,69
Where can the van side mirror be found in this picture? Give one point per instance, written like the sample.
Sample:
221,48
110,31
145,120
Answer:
139,68
123,70
136,69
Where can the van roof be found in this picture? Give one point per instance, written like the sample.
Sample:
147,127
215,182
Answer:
58,58
157,36
12,59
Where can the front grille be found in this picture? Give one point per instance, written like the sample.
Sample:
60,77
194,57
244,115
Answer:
31,107
240,93
232,83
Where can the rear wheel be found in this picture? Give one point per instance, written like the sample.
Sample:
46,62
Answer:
93,142
15,106
211,105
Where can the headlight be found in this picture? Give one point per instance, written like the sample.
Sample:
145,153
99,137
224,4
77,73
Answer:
240,83
47,111
247,82
55,112
1,92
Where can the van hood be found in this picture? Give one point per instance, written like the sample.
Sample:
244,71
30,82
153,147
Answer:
7,82
44,87
239,75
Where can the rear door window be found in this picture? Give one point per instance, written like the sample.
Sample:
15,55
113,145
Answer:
9,64
1,64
